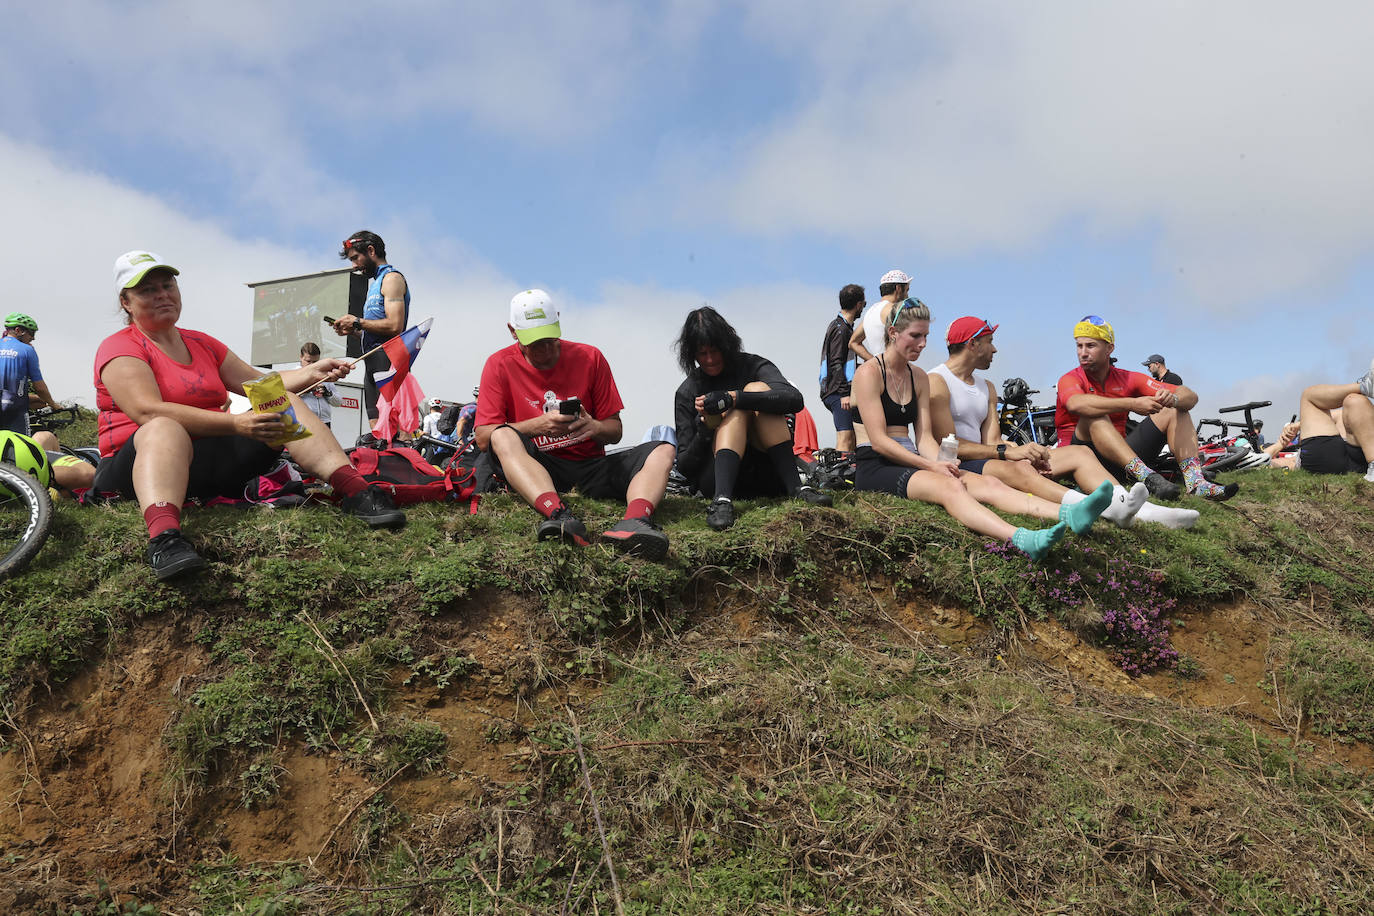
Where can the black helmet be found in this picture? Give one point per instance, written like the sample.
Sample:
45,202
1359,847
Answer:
1015,391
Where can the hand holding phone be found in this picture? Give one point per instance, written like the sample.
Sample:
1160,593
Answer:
570,407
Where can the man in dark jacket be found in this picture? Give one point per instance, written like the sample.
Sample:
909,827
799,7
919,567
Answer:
837,365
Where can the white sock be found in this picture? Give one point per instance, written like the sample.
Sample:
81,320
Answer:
1369,472
1125,503
1166,516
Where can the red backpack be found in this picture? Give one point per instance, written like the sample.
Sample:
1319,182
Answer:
410,478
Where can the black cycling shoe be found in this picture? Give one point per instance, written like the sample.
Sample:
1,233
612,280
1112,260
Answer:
638,537
814,497
1161,488
374,506
172,555
720,514
1226,492
563,526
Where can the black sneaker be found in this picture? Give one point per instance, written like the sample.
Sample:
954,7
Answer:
374,506
638,536
1223,494
563,526
814,497
172,555
720,514
1161,488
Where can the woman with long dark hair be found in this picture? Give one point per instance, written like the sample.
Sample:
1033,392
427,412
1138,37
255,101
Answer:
731,415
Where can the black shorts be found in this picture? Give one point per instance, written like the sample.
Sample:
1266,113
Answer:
607,477
1146,440
757,477
220,466
1330,455
874,472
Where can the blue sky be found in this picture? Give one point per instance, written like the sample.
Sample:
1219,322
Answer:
1198,174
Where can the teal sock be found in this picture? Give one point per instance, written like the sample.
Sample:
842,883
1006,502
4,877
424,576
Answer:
1083,513
1138,469
1035,544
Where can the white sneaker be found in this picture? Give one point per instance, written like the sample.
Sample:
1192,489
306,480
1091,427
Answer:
1369,472
1366,382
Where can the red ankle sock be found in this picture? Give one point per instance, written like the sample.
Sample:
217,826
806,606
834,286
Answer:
346,481
546,504
639,508
160,517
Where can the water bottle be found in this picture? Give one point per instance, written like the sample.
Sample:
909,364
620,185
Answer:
949,449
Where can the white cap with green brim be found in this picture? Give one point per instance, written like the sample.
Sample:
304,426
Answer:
132,266
534,317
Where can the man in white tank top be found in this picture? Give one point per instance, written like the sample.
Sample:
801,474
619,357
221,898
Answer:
964,403
869,337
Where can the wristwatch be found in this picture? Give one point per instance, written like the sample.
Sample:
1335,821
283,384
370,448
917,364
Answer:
1001,451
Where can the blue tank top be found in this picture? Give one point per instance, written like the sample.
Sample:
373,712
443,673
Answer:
374,308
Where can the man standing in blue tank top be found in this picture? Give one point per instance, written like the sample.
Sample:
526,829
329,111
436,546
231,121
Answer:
386,311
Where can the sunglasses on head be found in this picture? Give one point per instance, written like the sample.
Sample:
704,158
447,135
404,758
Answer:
985,329
1094,319
358,244
905,303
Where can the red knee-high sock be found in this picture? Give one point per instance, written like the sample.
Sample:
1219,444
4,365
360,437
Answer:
160,517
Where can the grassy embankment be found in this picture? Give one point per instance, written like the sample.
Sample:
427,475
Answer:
758,725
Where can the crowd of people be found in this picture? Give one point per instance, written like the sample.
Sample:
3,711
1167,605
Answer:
547,408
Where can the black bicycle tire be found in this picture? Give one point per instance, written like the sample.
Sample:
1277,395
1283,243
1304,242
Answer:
38,504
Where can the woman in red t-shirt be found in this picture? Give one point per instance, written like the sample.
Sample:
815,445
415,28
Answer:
164,431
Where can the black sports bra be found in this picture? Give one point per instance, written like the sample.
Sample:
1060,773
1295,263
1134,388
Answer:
894,414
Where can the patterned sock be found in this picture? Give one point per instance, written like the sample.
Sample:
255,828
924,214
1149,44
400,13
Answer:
1138,469
346,481
1192,473
546,504
160,517
639,508
785,463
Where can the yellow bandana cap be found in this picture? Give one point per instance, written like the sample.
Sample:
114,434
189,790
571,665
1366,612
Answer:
1093,326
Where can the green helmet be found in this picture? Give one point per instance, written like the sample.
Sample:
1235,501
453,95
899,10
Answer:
25,454
20,320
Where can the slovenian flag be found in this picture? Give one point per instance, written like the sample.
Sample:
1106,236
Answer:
402,351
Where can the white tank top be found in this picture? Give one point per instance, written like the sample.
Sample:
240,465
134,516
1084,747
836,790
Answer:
968,404
874,337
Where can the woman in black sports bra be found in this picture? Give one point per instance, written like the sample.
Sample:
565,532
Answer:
894,407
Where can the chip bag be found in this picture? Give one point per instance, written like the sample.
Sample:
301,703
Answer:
268,395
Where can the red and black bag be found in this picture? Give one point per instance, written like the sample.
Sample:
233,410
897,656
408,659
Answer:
410,478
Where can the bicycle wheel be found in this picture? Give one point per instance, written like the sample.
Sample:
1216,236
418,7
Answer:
25,518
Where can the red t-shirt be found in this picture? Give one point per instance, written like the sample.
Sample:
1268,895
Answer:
197,384
513,390
1118,384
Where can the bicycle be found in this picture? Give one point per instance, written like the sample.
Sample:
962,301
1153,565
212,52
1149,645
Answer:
47,419
25,518
1021,422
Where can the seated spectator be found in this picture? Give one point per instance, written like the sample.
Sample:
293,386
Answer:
1337,423
1092,405
548,409
69,473
893,400
164,435
964,404
731,417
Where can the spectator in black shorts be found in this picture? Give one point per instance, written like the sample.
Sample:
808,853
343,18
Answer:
1338,443
838,364
731,417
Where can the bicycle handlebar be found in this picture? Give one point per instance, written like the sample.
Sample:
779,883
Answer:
1253,405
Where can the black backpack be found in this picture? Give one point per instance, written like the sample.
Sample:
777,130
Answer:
448,419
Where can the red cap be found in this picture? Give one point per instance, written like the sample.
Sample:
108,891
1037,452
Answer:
965,329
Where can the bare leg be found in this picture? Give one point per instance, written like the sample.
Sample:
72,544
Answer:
927,486
1022,475
652,480
162,465
46,441
1358,414
525,475
1104,437
993,492
1079,461
844,440
1314,410
320,454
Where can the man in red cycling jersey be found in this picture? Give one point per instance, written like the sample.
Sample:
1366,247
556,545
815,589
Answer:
1094,400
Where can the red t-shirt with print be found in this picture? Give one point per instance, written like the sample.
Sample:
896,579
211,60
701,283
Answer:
195,384
1118,384
512,390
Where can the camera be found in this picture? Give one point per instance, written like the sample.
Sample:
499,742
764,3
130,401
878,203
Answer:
570,407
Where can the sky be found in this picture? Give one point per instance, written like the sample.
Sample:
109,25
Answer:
1198,174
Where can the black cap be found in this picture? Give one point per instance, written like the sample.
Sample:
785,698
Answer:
1153,358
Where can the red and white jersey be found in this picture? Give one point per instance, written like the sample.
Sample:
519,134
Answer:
1118,384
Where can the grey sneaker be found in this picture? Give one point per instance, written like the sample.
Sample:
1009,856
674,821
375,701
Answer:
171,555
1366,382
720,514
563,526
1161,488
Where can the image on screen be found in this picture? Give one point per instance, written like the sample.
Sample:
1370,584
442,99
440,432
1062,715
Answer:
287,313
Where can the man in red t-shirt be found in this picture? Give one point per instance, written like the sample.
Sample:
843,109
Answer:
547,410
1094,400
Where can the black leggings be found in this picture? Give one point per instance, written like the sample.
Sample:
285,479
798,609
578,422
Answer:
220,466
